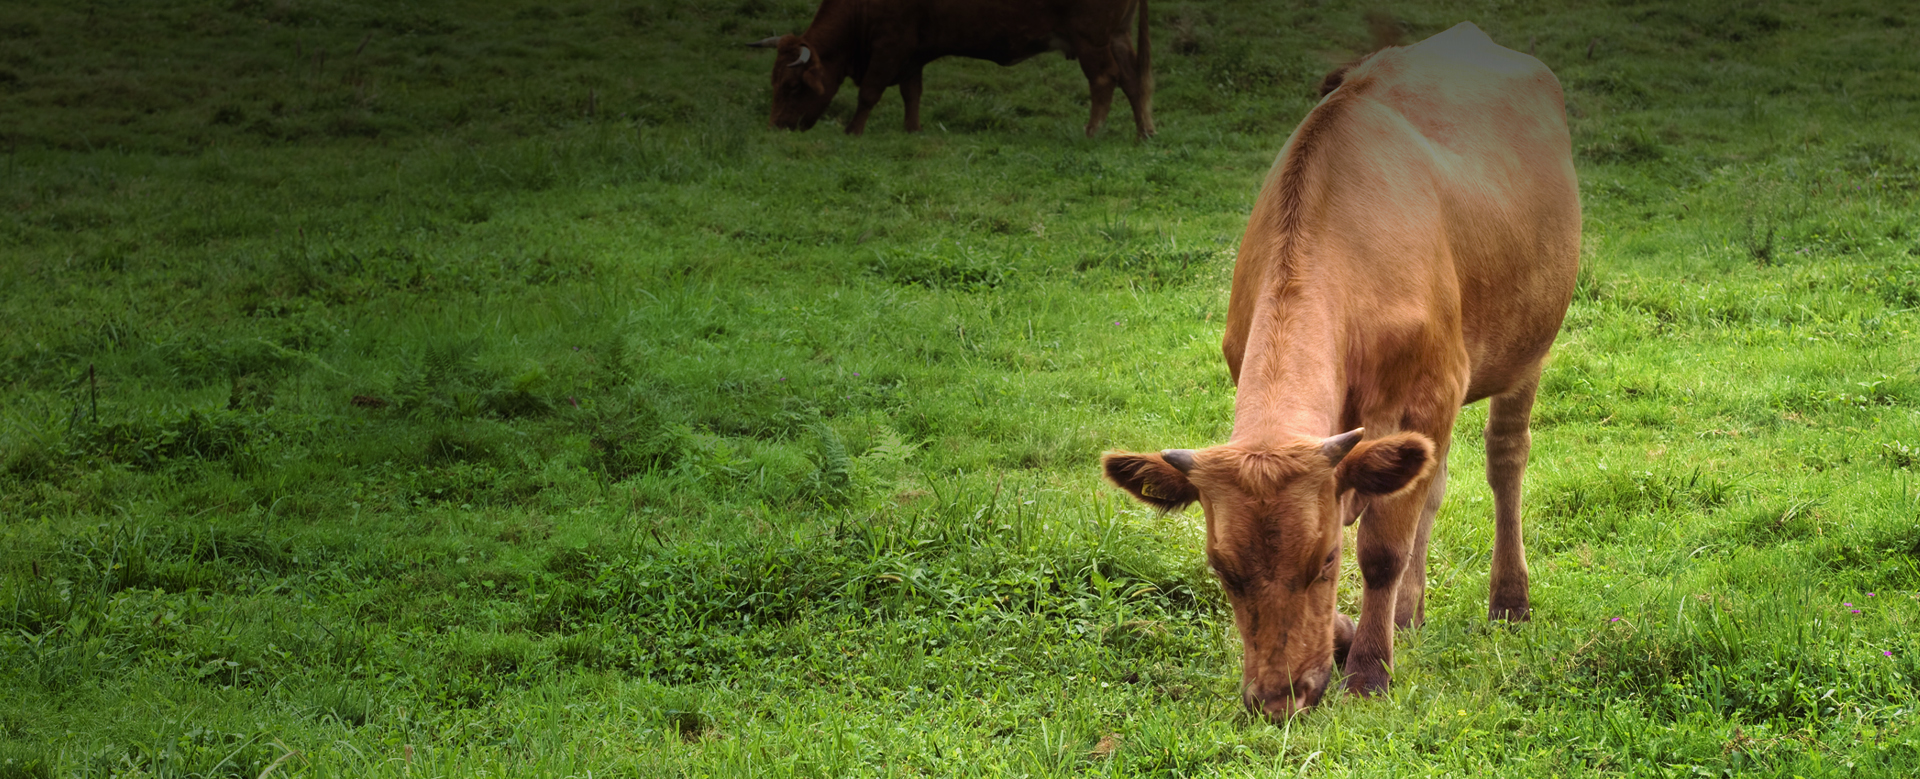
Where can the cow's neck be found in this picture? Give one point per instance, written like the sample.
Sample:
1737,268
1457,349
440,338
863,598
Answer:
1291,382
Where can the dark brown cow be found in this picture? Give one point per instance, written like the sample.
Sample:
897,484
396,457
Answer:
1413,250
881,43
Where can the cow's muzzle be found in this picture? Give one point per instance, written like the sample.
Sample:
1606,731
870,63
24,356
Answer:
1279,702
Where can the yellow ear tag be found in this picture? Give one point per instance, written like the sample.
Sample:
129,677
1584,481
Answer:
1146,490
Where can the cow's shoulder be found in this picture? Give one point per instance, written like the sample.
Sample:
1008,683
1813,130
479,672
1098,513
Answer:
1465,49
1457,88
1459,67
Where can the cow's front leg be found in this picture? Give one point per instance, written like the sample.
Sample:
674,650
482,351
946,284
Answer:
870,91
1343,628
910,92
880,74
1410,601
1386,538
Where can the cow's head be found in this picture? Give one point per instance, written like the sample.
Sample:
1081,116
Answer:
803,84
1273,538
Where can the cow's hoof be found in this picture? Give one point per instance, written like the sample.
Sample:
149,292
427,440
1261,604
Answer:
1519,612
1367,678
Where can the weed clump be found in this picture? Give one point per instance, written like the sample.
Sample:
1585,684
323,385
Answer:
1632,147
449,384
961,268
833,478
155,438
633,433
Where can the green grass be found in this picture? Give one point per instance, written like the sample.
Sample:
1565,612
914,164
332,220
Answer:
470,389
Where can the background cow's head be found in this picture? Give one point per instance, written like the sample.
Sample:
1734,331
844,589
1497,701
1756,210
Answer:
803,84
1273,538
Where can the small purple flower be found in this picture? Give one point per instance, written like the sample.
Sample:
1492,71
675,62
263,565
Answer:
783,378
856,373
1116,324
1856,611
1887,652
1848,605
1869,594
1615,619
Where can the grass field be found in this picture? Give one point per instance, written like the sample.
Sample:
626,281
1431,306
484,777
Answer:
457,388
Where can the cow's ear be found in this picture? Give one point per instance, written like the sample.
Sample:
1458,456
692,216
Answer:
815,78
1385,466
1153,479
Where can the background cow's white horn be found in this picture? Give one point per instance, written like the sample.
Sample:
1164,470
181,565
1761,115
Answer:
805,55
1178,458
1337,447
766,43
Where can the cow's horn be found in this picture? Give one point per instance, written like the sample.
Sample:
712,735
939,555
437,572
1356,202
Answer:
1337,447
805,55
766,43
1181,459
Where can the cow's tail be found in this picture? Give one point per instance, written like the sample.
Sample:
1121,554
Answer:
1143,71
1143,59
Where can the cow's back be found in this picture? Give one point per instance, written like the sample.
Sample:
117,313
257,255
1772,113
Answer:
1488,126
1009,31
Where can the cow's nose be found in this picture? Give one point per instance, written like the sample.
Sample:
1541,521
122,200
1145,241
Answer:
1276,708
1279,704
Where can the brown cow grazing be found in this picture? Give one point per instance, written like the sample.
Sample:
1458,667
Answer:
1413,250
881,43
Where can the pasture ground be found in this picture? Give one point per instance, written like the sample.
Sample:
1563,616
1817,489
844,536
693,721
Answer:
458,388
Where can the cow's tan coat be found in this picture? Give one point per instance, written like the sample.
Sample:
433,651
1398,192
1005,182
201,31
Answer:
1413,249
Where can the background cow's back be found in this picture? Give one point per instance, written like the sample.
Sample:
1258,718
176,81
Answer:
883,43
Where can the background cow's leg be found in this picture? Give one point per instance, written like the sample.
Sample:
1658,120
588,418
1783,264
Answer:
1410,604
1385,537
1139,91
910,92
873,84
1508,441
870,92
1097,64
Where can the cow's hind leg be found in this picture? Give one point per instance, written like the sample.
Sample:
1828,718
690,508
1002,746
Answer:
1508,441
910,92
1137,86
1097,63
